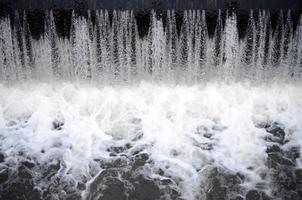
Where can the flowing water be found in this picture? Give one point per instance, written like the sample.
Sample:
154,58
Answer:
187,100
112,51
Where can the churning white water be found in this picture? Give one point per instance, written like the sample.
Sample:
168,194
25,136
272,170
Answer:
171,122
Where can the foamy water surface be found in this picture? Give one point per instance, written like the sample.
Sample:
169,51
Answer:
168,122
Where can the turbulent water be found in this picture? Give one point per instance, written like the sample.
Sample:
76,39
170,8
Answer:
106,114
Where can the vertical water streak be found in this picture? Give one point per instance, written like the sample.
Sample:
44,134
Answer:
124,54
231,40
52,37
201,37
248,57
99,41
287,46
268,39
157,51
278,42
102,45
149,53
115,45
107,51
288,37
191,45
81,48
184,47
43,58
19,56
217,54
7,67
260,38
91,62
28,48
66,62
133,45
196,70
43,52
73,50
171,43
297,51
260,46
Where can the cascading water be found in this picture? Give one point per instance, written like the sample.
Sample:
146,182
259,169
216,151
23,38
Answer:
175,114
113,52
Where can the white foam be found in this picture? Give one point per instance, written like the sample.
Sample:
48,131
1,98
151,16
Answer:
94,118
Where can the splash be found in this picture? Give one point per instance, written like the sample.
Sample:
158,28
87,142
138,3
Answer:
184,129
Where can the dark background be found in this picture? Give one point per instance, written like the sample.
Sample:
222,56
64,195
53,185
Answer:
35,10
149,4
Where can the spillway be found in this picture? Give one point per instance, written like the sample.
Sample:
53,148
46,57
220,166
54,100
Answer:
110,50
180,112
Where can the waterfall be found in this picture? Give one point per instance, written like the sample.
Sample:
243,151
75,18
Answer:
111,51
191,105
